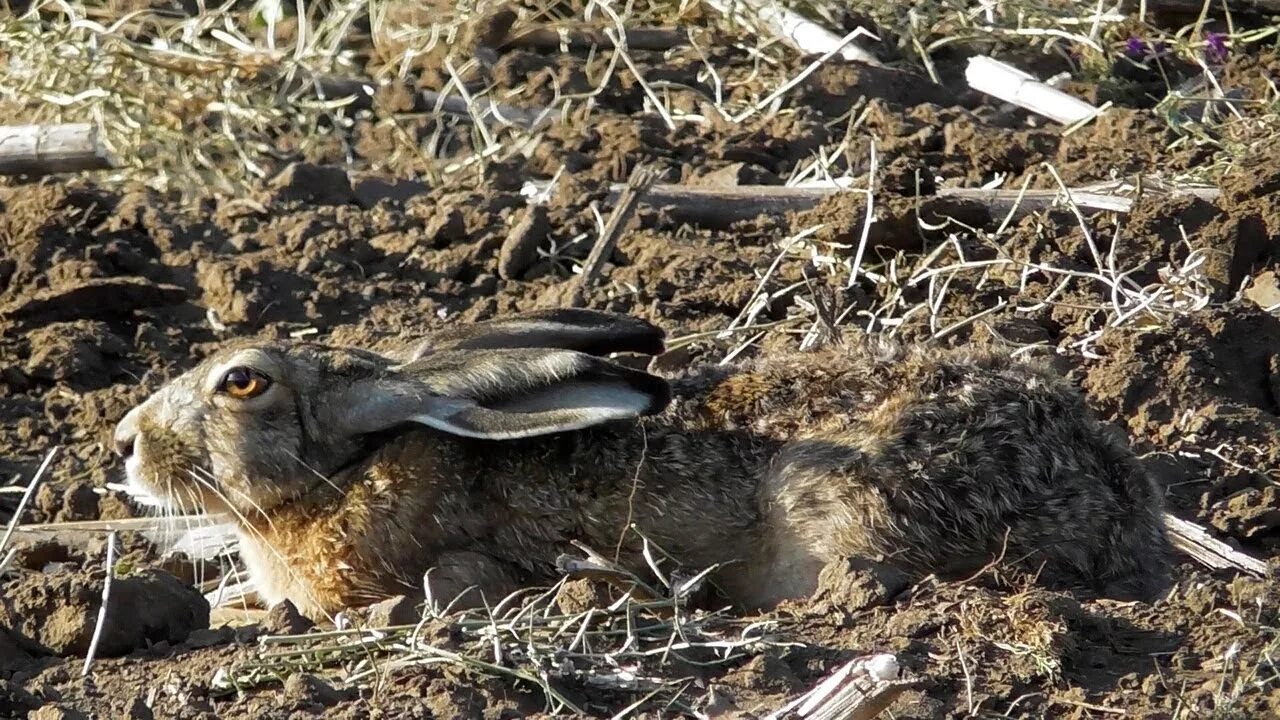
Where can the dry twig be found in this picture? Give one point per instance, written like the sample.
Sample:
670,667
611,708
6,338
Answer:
26,497
641,180
49,149
106,599
1197,543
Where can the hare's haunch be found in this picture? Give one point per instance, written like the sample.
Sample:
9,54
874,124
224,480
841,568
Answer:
482,453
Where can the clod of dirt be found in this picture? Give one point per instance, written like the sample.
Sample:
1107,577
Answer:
95,298
734,175
74,352
316,184
284,619
764,672
520,249
398,610
57,712
897,222
1169,228
578,596
1213,358
137,710
56,613
1249,513
848,586
1265,290
210,637
307,689
67,504
39,555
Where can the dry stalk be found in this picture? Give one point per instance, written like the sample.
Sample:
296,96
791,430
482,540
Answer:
528,639
26,497
642,178
106,599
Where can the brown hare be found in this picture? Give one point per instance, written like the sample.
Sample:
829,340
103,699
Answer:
482,453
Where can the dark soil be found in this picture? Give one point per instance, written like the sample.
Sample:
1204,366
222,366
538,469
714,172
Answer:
106,291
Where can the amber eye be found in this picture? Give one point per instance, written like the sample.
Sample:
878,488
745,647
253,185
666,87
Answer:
243,383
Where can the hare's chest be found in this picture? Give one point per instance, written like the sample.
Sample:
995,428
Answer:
274,578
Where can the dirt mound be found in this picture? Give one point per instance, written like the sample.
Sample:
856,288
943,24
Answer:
56,610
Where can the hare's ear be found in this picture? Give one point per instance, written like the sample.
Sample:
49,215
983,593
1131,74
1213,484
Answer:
588,331
503,394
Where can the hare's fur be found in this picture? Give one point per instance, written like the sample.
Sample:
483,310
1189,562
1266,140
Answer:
927,461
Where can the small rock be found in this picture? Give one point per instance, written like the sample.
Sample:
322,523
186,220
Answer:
307,688
398,610
318,184
284,619
56,712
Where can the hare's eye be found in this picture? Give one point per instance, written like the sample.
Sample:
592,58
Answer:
243,383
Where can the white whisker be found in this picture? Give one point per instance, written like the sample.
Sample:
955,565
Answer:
250,528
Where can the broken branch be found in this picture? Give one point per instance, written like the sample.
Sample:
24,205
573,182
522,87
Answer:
720,207
795,29
1196,542
49,149
860,689
629,195
579,38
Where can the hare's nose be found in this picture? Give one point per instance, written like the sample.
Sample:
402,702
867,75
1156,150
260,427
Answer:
124,444
125,435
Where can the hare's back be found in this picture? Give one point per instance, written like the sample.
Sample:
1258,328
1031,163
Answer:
941,459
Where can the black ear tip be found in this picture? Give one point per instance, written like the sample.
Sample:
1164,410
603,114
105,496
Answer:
649,338
655,344
659,392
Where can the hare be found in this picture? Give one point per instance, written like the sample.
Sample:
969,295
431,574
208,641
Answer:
476,458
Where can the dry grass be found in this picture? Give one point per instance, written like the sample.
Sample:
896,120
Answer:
647,650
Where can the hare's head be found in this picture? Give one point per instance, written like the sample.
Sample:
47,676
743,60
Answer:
256,425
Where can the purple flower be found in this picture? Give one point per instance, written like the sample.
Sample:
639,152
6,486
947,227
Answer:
1136,47
1215,47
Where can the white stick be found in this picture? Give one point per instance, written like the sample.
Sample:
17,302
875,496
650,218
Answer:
990,76
796,30
106,597
47,149
26,497
858,690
